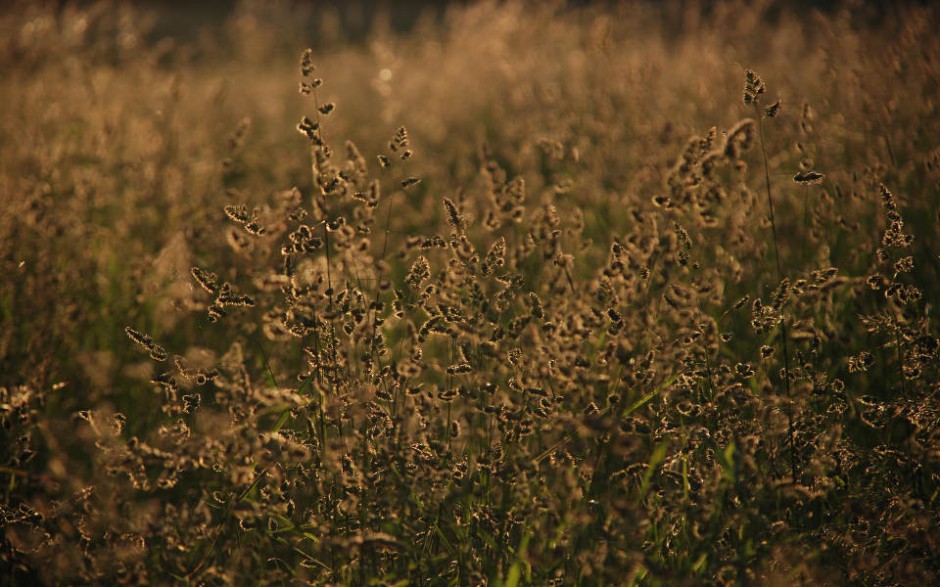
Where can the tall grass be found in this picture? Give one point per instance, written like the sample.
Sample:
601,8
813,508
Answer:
523,295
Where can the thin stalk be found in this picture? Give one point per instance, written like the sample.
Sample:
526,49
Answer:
806,228
783,322
900,353
326,232
378,278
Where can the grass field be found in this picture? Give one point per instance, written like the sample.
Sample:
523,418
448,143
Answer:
510,293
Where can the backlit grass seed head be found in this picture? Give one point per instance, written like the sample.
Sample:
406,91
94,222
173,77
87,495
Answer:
216,312
893,235
514,356
888,202
808,178
877,282
140,338
236,300
306,88
459,368
825,276
310,129
614,316
454,218
206,279
157,352
400,144
903,265
335,224
447,395
782,294
537,309
495,258
861,362
662,201
253,228
238,214
753,87
773,110
764,318
903,294
419,273
685,244
744,370
306,63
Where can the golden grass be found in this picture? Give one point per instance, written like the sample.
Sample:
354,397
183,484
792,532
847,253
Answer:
523,295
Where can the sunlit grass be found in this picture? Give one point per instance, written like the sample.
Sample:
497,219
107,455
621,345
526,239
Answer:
519,296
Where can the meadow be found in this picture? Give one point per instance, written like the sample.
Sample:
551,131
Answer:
506,293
